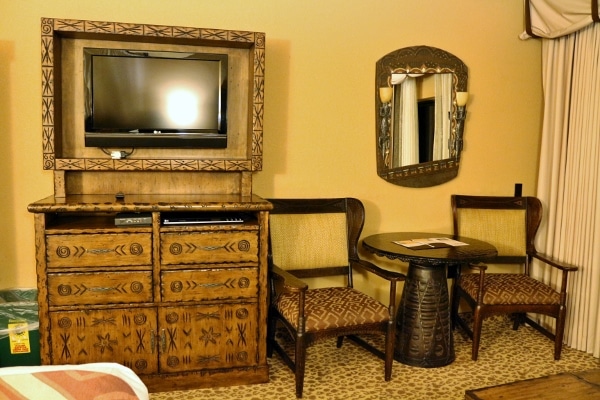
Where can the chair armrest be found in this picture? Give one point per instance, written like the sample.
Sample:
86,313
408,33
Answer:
555,263
391,276
288,281
481,267
383,273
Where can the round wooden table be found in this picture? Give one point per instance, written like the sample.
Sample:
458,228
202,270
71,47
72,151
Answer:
424,333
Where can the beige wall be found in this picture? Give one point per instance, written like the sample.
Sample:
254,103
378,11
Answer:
319,124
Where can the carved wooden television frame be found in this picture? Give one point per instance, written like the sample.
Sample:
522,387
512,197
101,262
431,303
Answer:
247,158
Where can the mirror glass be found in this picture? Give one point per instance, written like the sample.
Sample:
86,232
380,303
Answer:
419,121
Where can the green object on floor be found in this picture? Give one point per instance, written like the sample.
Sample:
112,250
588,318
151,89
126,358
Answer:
19,328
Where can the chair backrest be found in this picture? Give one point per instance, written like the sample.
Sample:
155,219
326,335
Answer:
315,237
508,223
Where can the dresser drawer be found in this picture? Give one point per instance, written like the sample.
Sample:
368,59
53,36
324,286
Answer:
209,247
222,283
95,250
99,288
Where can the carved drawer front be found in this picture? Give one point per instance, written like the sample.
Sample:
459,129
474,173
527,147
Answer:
209,247
207,337
125,336
223,283
97,250
100,288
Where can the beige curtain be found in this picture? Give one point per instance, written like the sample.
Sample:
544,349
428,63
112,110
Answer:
443,105
556,18
406,145
569,176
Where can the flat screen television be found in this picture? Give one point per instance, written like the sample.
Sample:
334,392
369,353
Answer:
139,98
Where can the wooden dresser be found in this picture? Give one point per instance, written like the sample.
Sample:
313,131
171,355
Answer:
182,305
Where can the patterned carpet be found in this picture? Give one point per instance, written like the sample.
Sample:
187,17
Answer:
352,373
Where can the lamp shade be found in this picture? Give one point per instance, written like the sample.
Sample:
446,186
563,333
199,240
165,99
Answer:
462,98
385,94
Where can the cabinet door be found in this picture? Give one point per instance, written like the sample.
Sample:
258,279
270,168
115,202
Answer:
208,337
125,336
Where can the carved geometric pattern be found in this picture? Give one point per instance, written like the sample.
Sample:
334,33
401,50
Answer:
99,164
202,315
172,361
135,249
99,27
81,289
65,323
236,165
159,165
105,343
242,334
103,321
231,283
242,356
214,34
211,165
425,317
128,165
176,286
141,364
66,353
209,335
242,313
49,160
208,359
48,133
53,28
184,165
257,117
239,36
510,289
190,248
48,110
172,331
257,143
140,340
70,164
172,317
105,335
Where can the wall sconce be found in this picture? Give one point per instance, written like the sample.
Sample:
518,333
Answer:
385,113
461,114
385,94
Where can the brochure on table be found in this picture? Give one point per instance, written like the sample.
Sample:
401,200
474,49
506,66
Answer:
429,243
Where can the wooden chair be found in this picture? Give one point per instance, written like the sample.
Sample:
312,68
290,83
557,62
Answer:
318,238
510,224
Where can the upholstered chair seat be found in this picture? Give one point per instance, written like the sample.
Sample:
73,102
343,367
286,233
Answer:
509,289
332,308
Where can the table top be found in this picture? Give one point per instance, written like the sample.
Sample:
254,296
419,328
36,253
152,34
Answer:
383,245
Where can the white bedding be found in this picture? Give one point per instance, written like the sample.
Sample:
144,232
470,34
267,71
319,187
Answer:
59,382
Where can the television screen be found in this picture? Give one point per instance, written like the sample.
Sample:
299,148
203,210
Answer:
155,99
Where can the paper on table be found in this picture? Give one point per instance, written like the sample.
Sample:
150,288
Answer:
429,243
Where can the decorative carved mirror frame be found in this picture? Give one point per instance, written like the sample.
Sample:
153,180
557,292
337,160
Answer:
418,60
